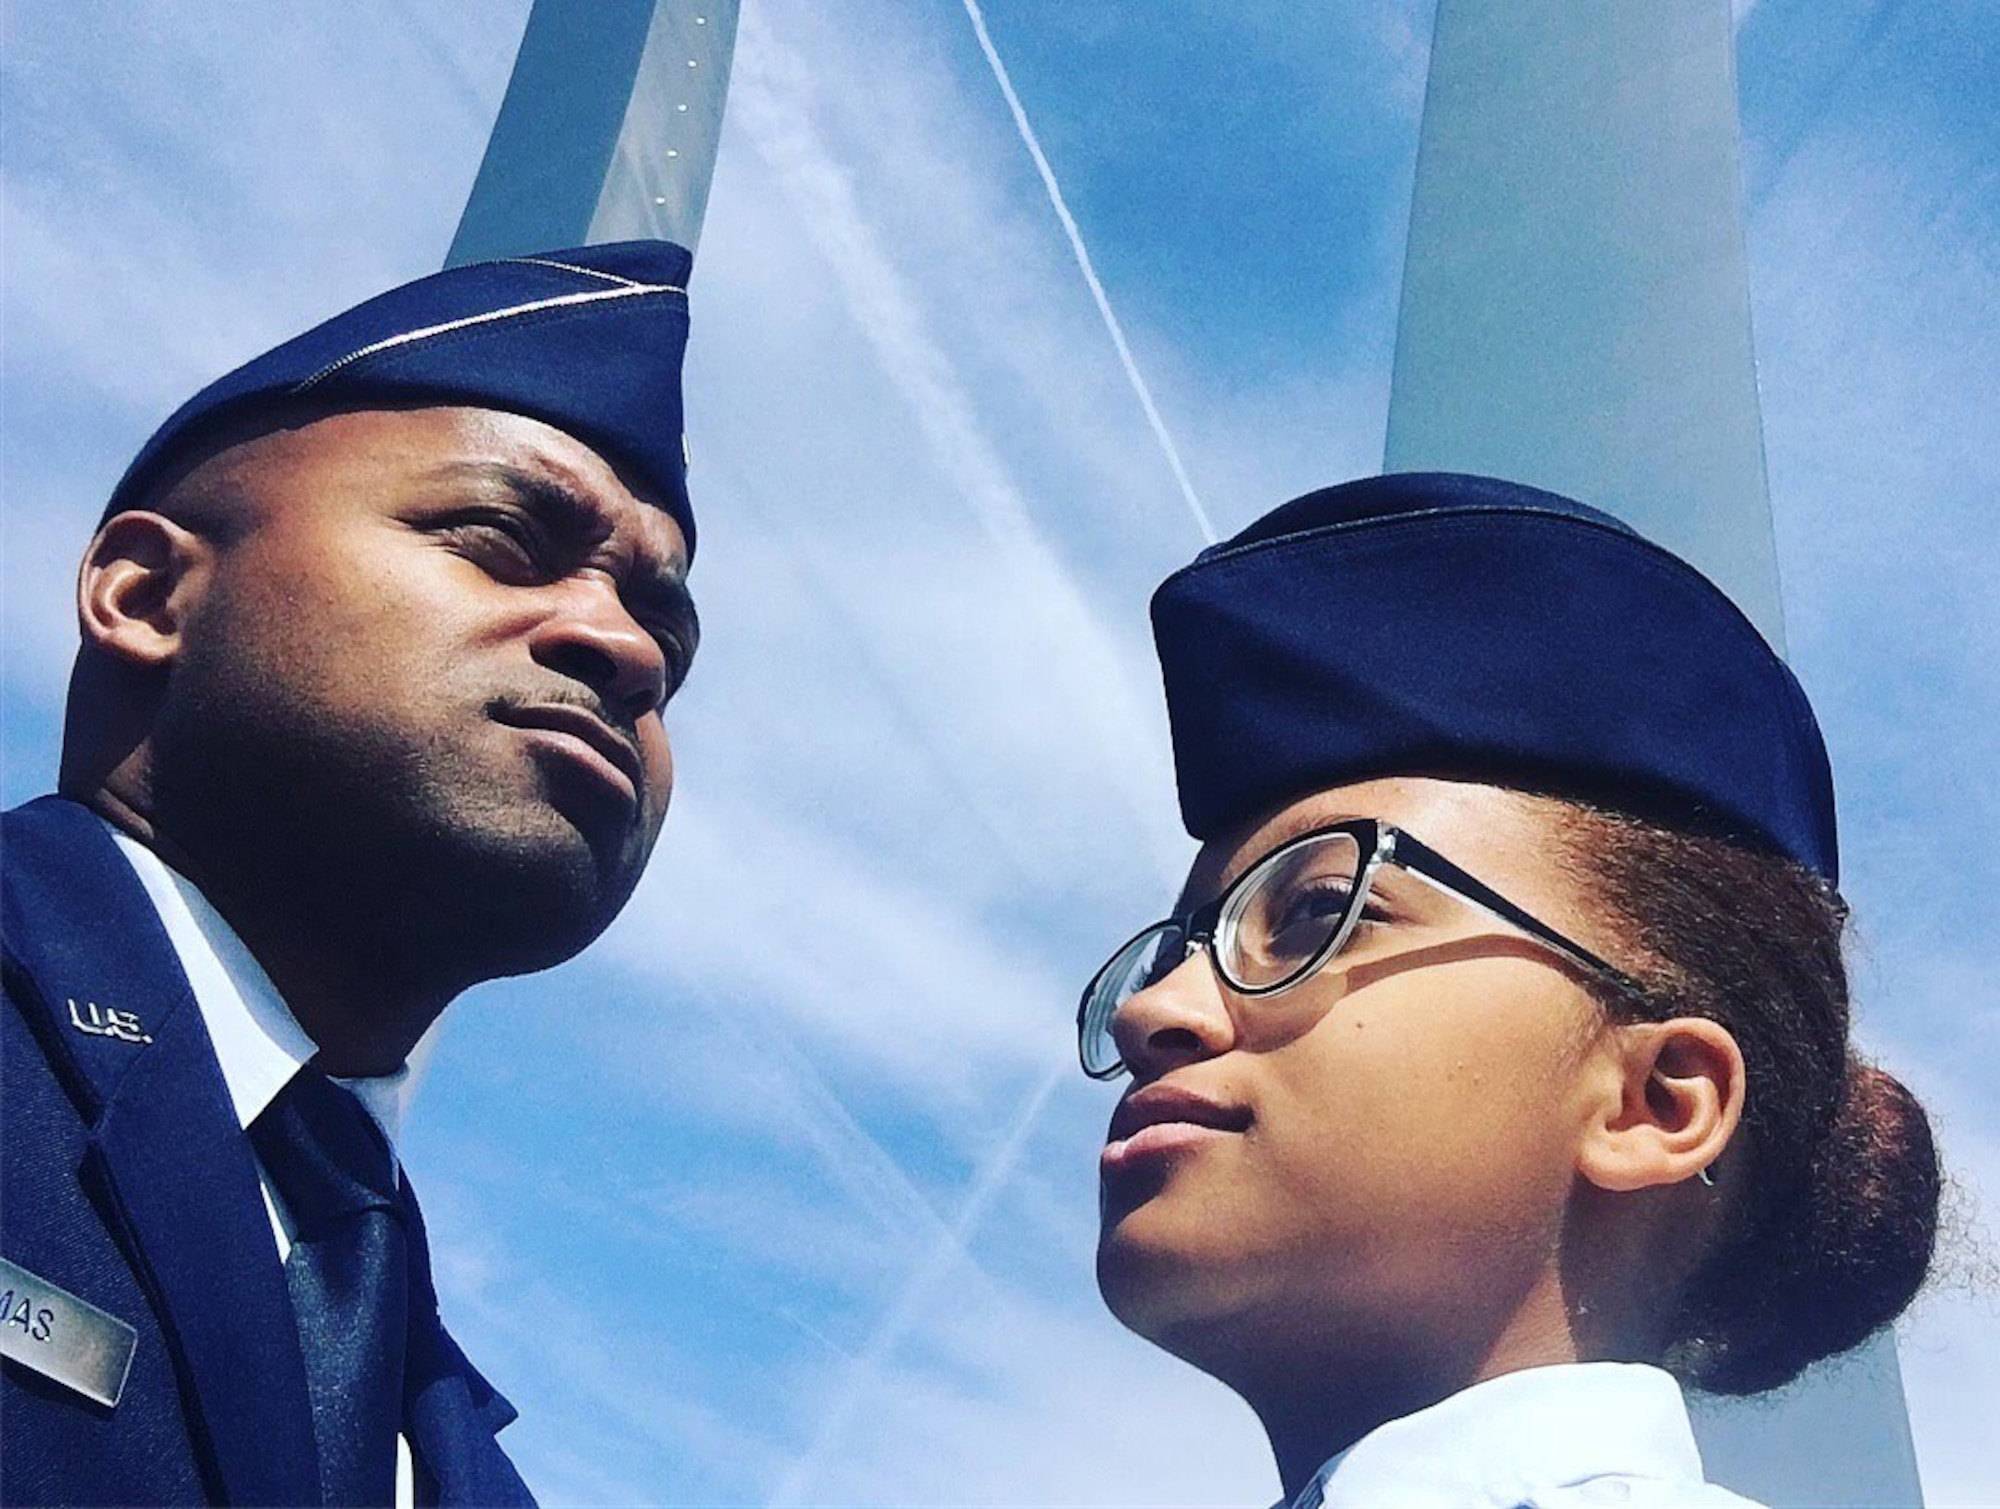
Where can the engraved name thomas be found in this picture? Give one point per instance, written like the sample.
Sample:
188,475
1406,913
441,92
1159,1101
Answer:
35,1323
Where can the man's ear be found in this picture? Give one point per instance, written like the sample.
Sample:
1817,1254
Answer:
1674,1103
139,581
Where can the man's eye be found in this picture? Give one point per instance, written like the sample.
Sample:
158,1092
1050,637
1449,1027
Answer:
508,547
679,661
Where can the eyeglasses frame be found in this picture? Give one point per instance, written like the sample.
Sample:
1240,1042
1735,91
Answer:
1383,844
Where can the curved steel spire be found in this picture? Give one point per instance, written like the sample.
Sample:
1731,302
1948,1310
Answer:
1576,314
609,128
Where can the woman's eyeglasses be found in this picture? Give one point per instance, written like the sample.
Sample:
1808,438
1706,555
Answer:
1284,917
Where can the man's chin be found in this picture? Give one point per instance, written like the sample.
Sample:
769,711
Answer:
535,894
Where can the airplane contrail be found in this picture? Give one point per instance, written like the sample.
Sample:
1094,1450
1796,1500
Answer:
916,363
944,1255
1076,246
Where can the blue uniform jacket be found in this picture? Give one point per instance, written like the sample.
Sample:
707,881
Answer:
128,1183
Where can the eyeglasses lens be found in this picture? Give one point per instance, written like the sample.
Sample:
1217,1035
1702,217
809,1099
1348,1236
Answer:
1146,960
1284,914
1288,911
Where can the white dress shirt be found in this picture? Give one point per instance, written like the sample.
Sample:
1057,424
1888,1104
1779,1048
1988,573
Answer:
1581,1435
258,1042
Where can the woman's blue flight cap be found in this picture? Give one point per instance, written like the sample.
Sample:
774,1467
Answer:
589,340
1437,624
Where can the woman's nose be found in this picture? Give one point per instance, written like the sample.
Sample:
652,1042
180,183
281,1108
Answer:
1180,1018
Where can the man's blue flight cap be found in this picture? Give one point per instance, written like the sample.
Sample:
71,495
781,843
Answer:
1437,624
589,340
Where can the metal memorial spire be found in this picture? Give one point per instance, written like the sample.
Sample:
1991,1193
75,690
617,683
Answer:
608,132
1576,315
1576,304
609,128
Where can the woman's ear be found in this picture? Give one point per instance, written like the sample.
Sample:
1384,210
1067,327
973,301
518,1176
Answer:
140,578
1676,1103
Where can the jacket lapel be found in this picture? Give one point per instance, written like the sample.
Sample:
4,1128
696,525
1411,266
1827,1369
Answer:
453,1412
167,1157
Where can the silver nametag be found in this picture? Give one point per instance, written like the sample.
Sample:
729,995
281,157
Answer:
62,1337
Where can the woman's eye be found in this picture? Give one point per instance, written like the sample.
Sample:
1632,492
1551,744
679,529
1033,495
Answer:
1328,898
1311,909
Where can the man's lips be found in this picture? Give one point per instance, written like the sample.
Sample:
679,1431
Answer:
1160,1119
588,739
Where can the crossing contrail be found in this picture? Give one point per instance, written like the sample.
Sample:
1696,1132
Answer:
1125,360
945,1254
916,362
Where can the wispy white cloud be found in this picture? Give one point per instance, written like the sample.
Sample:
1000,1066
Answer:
770,84
1875,301
614,1421
1000,1397
782,1191
917,1300
1074,236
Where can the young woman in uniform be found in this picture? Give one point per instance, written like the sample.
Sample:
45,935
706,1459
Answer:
1491,1081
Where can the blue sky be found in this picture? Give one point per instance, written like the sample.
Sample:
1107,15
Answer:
784,1192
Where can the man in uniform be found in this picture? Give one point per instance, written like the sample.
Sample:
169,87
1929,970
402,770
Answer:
377,632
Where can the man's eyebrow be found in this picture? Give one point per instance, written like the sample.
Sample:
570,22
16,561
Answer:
556,502
658,584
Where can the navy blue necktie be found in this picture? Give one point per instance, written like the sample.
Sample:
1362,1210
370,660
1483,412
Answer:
451,1413
348,1274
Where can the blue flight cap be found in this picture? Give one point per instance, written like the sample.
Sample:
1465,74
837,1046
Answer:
1438,624
588,340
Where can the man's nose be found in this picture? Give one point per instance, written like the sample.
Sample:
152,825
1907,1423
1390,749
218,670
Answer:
592,637
1180,1018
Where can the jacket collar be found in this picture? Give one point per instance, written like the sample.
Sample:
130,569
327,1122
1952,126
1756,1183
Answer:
258,1042
167,1156
1507,1440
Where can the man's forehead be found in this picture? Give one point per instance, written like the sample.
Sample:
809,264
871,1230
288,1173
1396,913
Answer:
272,462
498,442
444,432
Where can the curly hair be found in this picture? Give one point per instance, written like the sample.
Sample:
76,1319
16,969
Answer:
1835,1216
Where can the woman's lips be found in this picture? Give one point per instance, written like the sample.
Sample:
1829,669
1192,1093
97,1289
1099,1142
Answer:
1161,1120
1162,1139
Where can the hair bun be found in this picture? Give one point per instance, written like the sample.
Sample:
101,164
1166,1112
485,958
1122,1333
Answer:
1876,1185
1860,1242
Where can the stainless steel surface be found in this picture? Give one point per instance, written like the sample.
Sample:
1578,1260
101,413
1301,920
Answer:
1576,314
609,128
1576,308
51,1331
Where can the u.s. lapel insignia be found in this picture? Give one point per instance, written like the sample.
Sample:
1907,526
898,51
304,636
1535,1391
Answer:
52,1332
100,1021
